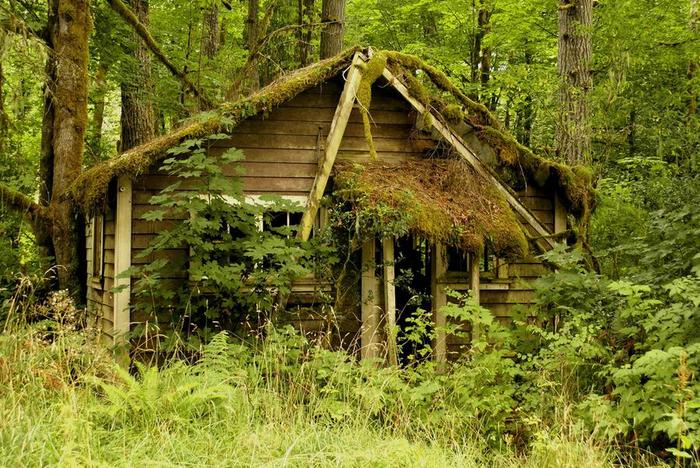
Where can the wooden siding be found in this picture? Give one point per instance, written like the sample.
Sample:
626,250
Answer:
541,203
100,298
282,149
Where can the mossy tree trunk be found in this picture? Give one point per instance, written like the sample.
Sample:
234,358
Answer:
332,34
138,118
69,31
573,134
211,35
480,55
252,27
98,100
304,35
525,113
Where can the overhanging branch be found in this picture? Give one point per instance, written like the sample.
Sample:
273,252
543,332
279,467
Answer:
22,204
129,16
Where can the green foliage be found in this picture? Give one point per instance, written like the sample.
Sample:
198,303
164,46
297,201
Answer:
236,269
626,352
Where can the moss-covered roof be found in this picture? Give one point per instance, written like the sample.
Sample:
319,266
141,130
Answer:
442,200
515,163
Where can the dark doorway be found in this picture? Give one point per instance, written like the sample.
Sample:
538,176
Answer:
413,296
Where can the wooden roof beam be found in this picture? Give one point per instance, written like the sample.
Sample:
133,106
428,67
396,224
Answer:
335,136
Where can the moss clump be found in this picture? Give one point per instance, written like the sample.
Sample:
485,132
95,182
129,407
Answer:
442,82
371,71
441,200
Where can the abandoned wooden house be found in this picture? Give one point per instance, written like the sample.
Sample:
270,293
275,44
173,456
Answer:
388,125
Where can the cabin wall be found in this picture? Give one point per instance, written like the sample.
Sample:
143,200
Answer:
100,298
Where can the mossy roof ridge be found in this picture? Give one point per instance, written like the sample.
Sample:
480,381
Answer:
437,199
89,188
573,183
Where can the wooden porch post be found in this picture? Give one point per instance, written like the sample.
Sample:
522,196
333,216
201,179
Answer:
474,284
390,299
438,267
122,260
370,339
559,215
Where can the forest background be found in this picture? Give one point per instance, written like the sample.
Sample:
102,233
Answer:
612,84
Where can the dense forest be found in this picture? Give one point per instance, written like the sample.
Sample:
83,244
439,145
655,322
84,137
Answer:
599,368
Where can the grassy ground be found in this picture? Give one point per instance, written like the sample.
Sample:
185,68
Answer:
64,401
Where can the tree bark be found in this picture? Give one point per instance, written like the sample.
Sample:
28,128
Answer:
484,21
306,18
69,31
252,29
99,94
333,14
526,114
210,30
138,121
573,134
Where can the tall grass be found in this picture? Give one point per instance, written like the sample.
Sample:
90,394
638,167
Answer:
65,401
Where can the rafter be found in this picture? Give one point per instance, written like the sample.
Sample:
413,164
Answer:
335,136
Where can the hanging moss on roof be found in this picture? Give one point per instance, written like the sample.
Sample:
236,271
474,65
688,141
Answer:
440,200
91,185
371,71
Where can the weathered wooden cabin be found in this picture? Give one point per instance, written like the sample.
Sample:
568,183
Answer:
399,129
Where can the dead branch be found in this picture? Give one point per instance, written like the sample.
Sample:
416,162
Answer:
129,16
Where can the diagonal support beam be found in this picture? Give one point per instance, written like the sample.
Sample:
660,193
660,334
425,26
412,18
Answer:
335,136
458,144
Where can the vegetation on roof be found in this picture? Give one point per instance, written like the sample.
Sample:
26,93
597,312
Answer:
437,199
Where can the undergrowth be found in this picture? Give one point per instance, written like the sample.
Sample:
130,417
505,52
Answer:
283,401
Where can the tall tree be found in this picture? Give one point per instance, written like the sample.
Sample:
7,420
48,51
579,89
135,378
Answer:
694,25
573,134
211,35
306,18
138,121
69,27
252,30
332,34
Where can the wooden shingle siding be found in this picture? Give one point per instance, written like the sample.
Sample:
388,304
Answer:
100,298
541,203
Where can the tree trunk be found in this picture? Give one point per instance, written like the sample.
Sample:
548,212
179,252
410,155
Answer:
332,12
210,30
95,136
526,114
69,22
251,32
485,53
573,134
485,63
306,17
138,119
